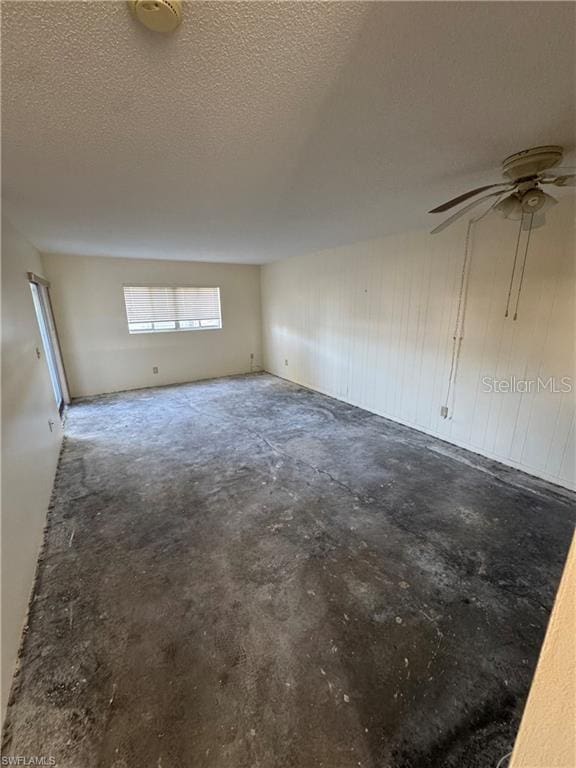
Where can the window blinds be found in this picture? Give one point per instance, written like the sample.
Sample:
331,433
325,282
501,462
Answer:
175,308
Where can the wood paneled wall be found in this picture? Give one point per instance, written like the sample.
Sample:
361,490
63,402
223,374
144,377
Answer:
372,324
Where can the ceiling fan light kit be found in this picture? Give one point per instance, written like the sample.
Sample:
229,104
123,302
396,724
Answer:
517,204
510,207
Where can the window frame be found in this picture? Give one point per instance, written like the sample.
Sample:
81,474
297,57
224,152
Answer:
177,329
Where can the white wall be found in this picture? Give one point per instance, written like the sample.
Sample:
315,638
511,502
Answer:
372,324
29,449
101,356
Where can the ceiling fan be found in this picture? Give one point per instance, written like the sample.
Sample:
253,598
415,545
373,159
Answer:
521,194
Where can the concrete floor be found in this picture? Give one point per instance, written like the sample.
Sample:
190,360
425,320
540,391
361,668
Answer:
244,574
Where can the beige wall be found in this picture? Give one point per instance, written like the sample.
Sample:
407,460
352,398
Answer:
101,356
372,324
547,735
29,449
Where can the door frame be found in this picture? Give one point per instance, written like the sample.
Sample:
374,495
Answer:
45,301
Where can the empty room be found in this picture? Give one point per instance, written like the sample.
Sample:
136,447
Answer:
288,368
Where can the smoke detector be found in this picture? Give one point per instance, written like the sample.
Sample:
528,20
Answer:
158,15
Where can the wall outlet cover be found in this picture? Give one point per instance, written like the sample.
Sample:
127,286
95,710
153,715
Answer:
155,369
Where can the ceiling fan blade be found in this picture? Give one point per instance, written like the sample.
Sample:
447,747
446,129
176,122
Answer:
569,180
560,177
462,211
466,195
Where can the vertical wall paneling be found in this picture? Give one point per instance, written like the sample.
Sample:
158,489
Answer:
372,324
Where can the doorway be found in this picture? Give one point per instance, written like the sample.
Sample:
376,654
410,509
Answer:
43,308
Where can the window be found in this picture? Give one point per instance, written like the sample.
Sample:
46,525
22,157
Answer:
157,310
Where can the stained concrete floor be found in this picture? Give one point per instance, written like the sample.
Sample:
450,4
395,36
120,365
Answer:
244,574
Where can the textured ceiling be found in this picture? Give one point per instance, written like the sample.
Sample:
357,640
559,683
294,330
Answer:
261,130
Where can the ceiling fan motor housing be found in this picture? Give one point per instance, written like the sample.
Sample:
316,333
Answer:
158,15
531,162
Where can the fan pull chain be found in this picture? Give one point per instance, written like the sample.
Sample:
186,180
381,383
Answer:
523,267
514,266
458,334
455,340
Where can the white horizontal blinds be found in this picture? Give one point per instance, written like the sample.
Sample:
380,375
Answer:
179,306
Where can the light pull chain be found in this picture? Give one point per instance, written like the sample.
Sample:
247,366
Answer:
458,335
459,323
523,267
514,266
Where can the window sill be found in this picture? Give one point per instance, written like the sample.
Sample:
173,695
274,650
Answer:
171,330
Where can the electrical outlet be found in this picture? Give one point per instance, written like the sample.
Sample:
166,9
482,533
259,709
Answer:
38,354
155,369
285,362
251,355
444,411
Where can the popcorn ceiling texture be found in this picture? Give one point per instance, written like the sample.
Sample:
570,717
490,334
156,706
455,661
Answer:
260,130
